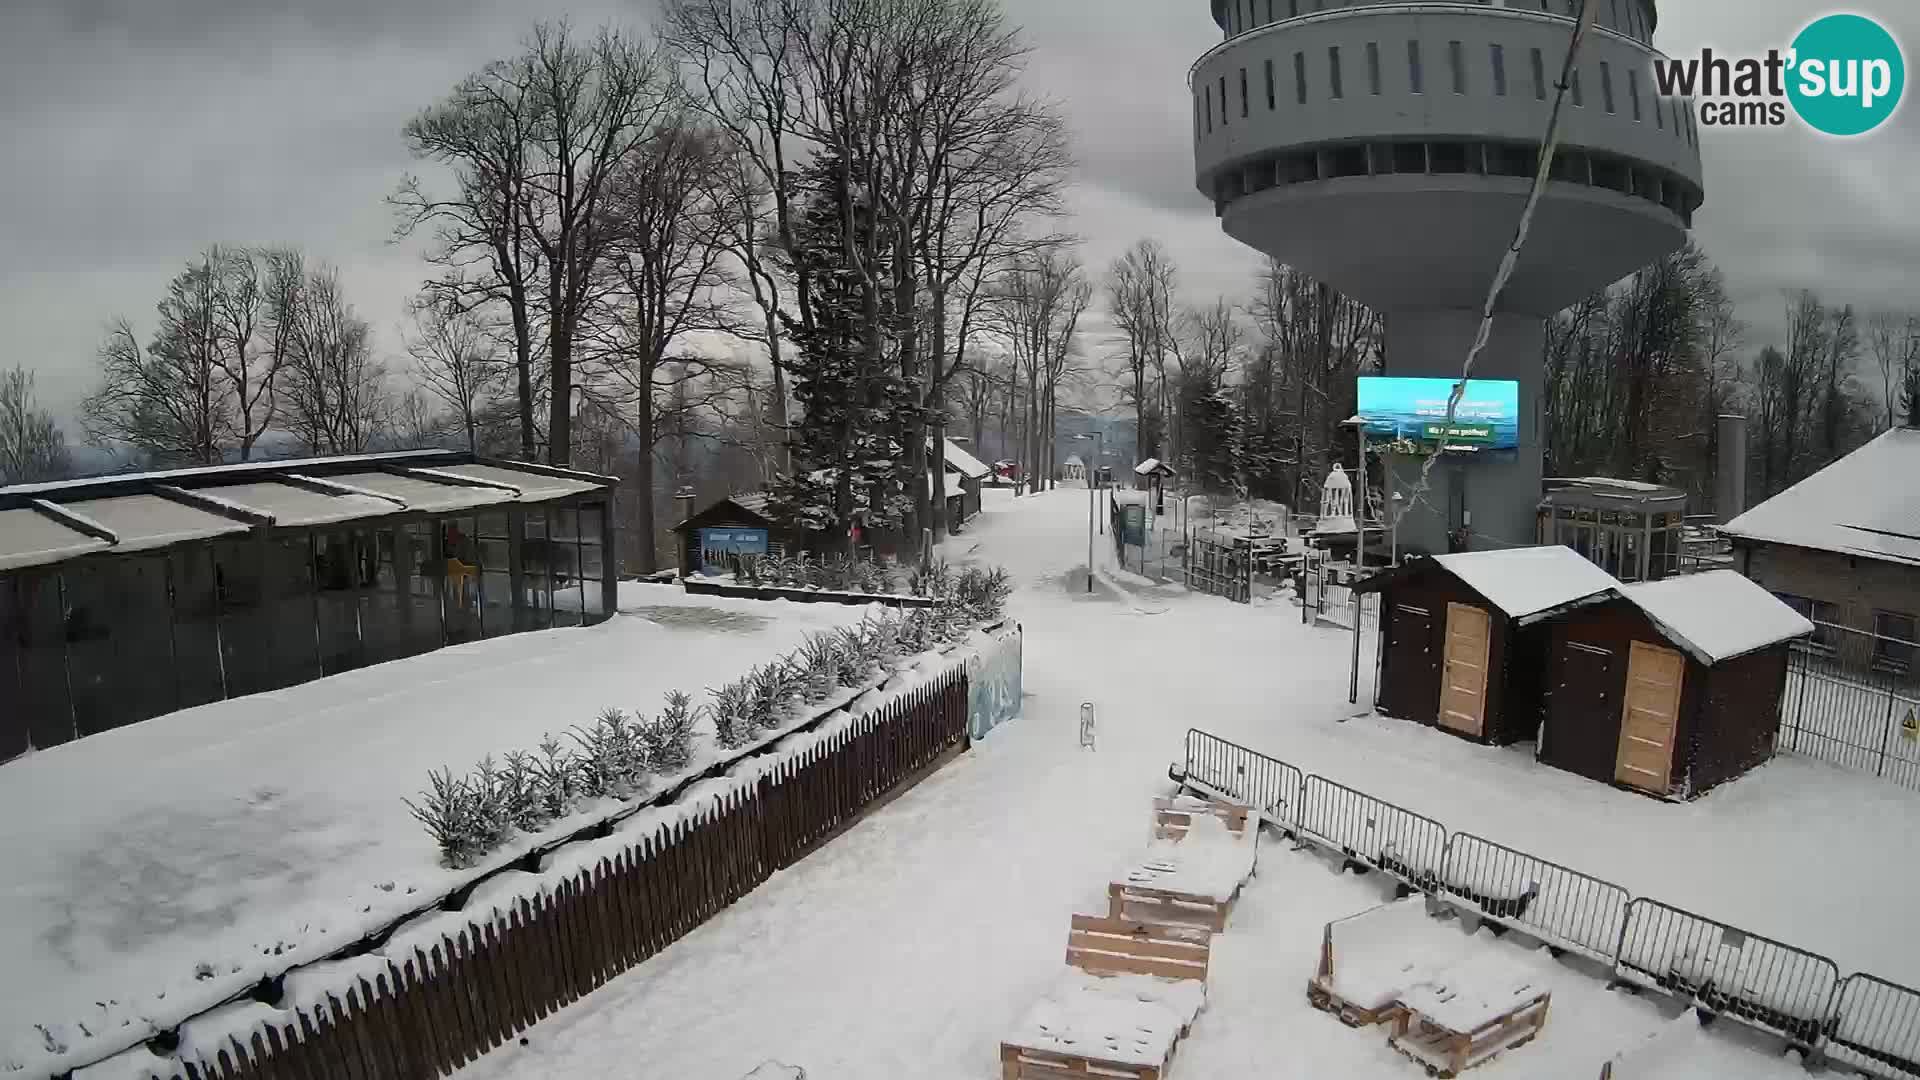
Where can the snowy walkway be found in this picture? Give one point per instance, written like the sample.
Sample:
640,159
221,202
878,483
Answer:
176,857
907,946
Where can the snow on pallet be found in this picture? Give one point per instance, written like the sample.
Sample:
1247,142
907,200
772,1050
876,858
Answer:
1468,1013
1195,871
1368,960
1132,989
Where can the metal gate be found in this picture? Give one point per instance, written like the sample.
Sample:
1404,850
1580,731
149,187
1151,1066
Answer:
1218,565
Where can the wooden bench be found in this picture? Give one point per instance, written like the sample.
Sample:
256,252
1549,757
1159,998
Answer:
1132,989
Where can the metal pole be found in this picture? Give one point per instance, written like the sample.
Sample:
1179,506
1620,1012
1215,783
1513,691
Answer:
1353,680
1360,511
1090,516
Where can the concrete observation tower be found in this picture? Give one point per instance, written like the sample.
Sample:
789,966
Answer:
1386,148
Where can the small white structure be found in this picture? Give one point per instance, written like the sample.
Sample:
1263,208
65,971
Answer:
1336,506
1074,470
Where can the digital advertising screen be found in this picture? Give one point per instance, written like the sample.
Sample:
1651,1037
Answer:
1409,416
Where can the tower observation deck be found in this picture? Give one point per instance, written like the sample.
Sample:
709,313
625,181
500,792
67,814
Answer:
1387,148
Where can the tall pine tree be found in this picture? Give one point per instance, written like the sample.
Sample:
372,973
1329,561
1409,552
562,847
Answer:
847,440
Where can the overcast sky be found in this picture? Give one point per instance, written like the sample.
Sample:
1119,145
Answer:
139,131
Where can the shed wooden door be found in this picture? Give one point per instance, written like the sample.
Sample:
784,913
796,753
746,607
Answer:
1650,717
1463,676
1411,687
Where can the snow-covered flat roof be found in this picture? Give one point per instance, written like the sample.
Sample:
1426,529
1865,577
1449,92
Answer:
531,486
420,493
145,522
1529,581
294,506
967,465
1867,504
1717,615
31,538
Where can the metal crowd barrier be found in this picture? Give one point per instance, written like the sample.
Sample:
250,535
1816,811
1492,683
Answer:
1562,907
1862,1021
1728,972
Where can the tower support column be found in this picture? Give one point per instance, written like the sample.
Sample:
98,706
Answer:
1495,495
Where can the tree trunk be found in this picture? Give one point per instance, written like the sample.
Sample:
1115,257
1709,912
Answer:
643,430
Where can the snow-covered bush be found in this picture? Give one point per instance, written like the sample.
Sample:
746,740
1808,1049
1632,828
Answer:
982,592
749,569
773,687
732,712
612,761
557,775
670,736
448,810
883,638
933,580
853,663
819,658
521,792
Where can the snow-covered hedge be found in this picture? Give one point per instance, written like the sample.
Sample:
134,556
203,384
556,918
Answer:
619,756
982,591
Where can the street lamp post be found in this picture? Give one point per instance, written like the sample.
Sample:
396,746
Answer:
1099,439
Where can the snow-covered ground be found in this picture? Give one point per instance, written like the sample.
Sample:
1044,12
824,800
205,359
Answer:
166,865
908,946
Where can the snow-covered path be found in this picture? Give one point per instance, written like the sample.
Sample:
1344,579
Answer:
908,946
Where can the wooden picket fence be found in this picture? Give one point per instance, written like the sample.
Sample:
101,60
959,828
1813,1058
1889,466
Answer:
444,1005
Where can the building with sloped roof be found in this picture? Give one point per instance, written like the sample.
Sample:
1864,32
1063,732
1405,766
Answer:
128,596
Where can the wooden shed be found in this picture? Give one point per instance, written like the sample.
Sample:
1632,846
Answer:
737,524
1463,640
1671,688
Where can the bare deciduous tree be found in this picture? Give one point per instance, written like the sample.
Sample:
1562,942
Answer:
1141,287
335,397
457,357
31,446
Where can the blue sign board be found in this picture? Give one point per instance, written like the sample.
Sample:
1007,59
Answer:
717,544
1410,415
1134,524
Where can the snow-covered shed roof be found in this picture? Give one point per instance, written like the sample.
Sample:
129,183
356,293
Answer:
145,522
1717,615
31,538
1074,459
1524,582
526,486
1153,465
421,493
1865,504
964,463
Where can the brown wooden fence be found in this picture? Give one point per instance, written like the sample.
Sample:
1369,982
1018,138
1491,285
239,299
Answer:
441,1006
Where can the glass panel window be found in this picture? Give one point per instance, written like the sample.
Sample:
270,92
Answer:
1574,87
536,562
196,626
1300,77
1243,93
1270,94
1414,82
1633,92
1223,101
1606,85
39,620
593,564
458,560
421,575
1893,642
1539,76
339,567
1457,62
1333,70
568,600
119,641
246,624
290,598
496,583
14,739
1373,67
1499,71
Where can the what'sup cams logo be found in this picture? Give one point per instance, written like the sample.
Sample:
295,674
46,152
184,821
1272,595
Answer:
1843,75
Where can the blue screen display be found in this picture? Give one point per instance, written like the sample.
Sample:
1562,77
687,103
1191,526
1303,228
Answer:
1412,414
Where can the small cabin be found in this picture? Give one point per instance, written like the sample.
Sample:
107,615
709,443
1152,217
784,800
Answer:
1671,688
733,526
1463,640
965,476
1152,476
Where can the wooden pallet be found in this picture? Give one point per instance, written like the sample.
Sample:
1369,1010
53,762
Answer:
1446,1053
1168,906
1322,996
1105,946
1173,817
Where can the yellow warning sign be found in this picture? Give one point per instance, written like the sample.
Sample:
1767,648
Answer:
1910,727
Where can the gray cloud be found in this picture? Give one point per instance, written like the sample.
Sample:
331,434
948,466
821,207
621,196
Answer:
141,130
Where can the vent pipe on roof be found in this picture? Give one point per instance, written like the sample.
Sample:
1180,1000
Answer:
1730,469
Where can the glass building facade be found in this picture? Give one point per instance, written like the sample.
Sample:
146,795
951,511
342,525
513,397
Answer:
133,596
